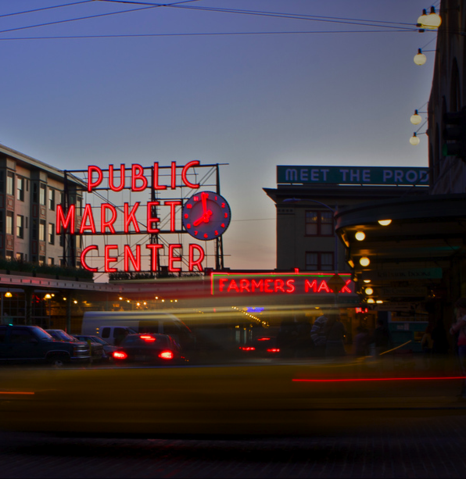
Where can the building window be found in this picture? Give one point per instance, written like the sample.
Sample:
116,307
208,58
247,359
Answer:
20,188
9,223
51,199
51,233
19,257
20,226
319,223
42,231
42,195
320,261
51,262
59,198
41,260
9,255
9,183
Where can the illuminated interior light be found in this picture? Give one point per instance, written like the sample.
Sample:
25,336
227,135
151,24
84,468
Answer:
351,263
64,299
75,301
8,294
371,301
367,280
364,261
47,296
360,236
379,301
369,291
384,222
120,298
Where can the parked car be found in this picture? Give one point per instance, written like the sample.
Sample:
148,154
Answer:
96,349
32,344
149,348
95,340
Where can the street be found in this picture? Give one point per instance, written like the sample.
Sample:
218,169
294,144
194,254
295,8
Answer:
431,447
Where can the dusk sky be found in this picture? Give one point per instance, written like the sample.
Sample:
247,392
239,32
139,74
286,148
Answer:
333,94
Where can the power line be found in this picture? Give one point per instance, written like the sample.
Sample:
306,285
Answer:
319,18
45,8
92,16
202,34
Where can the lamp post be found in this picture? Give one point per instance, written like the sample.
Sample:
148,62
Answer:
333,210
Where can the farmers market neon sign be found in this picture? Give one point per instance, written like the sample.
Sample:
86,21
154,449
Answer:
233,284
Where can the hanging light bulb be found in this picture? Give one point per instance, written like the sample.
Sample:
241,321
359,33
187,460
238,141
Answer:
384,222
414,140
367,280
8,294
431,21
364,261
360,235
369,291
416,118
419,58
371,301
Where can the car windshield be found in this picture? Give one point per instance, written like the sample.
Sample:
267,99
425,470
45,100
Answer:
41,334
61,335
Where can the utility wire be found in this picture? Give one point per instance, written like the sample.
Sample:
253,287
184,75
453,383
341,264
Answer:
45,8
204,34
92,16
355,21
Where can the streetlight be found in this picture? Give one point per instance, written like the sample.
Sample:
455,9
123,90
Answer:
414,140
416,118
419,58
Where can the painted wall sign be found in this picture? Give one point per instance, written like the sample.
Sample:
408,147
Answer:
136,179
358,175
234,284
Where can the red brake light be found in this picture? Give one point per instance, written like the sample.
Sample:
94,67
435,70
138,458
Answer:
273,350
119,355
146,337
166,355
263,339
247,348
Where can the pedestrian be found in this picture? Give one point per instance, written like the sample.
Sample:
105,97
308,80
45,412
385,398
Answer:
459,329
318,337
335,333
381,338
361,342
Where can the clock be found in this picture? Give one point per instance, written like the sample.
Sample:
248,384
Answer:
206,215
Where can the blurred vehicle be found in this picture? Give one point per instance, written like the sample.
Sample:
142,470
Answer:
113,326
108,349
149,348
262,346
96,349
32,344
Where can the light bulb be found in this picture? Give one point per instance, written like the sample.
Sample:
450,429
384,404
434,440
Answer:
369,291
370,301
431,21
420,58
8,294
416,118
414,140
360,236
367,280
384,222
364,261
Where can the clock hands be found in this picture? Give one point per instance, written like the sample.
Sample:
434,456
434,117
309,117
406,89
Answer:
205,218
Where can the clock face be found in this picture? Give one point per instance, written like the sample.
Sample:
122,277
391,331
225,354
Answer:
206,215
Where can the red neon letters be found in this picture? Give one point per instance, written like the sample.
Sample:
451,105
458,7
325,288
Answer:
115,220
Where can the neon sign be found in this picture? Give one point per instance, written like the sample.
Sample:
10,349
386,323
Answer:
135,178
228,284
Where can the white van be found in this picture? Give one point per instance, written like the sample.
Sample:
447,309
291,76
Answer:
109,325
